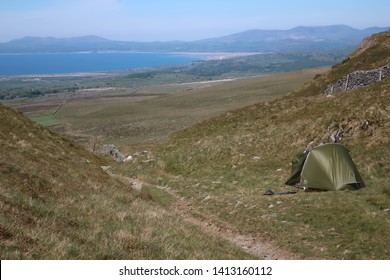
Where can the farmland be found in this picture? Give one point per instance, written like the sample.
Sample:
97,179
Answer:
148,115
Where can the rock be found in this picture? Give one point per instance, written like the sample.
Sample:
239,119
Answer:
346,251
129,158
105,168
110,149
364,125
337,135
106,149
359,79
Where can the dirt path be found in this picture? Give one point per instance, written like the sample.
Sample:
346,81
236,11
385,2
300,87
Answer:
246,242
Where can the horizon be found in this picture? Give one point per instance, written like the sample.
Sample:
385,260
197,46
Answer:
174,20
102,37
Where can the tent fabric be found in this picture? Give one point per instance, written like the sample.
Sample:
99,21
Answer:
296,169
328,167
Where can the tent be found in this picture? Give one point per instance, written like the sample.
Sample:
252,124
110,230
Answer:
325,167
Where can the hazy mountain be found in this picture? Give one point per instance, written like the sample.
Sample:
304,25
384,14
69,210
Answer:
295,39
50,44
298,38
303,33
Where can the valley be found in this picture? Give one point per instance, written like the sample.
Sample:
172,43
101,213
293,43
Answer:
205,146
148,115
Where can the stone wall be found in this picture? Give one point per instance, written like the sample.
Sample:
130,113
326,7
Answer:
111,150
359,79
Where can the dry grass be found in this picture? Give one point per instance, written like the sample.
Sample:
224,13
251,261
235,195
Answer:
221,166
57,203
233,159
236,157
127,121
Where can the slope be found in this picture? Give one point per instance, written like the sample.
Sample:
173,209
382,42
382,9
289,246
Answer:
56,202
372,53
224,165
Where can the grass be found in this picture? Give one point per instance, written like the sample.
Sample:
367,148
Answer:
44,119
127,121
372,54
232,159
66,207
57,203
235,158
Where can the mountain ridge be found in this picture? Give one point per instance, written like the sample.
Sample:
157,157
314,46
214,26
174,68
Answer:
255,40
298,31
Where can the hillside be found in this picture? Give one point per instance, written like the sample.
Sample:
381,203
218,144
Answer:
372,53
302,38
56,202
223,166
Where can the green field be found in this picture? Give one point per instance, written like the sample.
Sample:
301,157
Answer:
44,119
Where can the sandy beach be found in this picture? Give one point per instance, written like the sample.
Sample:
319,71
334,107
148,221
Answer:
217,55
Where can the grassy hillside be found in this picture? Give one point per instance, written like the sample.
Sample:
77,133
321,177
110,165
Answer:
56,202
224,165
372,53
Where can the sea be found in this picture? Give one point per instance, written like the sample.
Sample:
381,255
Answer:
67,63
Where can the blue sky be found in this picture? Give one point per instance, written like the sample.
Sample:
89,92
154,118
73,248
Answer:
164,20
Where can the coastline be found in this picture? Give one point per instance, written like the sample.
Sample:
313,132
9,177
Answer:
216,55
207,56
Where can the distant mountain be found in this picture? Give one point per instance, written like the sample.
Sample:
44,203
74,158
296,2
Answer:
303,33
50,44
296,39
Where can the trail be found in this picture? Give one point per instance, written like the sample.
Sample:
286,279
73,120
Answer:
248,243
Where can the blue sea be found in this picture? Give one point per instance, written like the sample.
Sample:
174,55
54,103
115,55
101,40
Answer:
31,64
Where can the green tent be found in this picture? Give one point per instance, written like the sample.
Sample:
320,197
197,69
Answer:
325,167
296,168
